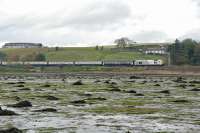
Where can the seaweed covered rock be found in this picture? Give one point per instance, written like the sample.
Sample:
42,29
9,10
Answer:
165,92
130,91
181,101
97,81
180,80
78,102
21,82
46,85
79,82
11,130
195,89
195,82
25,89
97,99
107,81
46,110
182,85
139,94
157,85
51,98
116,89
6,112
21,104
135,77
20,85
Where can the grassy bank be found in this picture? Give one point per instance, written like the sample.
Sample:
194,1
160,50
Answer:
79,54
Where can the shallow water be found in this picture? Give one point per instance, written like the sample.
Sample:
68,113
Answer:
120,112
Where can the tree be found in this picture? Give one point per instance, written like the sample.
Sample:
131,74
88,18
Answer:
189,46
102,48
40,57
123,42
183,52
97,48
2,56
56,48
196,57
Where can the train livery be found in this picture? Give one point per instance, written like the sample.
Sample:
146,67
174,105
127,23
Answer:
87,63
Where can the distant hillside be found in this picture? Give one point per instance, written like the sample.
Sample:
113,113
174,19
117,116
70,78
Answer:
77,54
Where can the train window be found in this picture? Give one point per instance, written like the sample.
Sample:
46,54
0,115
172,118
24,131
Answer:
140,62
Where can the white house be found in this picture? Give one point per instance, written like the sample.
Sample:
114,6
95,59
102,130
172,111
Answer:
155,51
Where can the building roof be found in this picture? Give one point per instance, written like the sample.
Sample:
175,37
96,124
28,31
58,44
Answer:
28,44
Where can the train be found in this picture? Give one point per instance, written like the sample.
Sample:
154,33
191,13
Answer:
86,63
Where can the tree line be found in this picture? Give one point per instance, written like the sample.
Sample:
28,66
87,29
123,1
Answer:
185,52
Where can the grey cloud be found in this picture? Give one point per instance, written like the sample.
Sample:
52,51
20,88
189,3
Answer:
15,23
149,36
101,15
96,16
198,5
194,34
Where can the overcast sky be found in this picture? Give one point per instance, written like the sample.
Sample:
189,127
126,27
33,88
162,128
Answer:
78,22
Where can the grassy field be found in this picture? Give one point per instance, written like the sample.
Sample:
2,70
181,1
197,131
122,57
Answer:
79,54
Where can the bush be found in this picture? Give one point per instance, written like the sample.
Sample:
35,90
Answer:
40,57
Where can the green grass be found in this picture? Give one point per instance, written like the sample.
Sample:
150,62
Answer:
79,54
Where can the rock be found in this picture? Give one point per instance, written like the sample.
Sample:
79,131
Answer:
182,85
194,82
195,89
20,86
38,89
21,104
17,98
180,80
97,98
144,82
131,91
191,85
11,130
107,81
11,83
97,81
139,94
113,83
87,94
157,85
79,82
6,112
25,89
20,82
51,98
134,77
46,85
165,92
181,101
46,110
115,89
78,102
